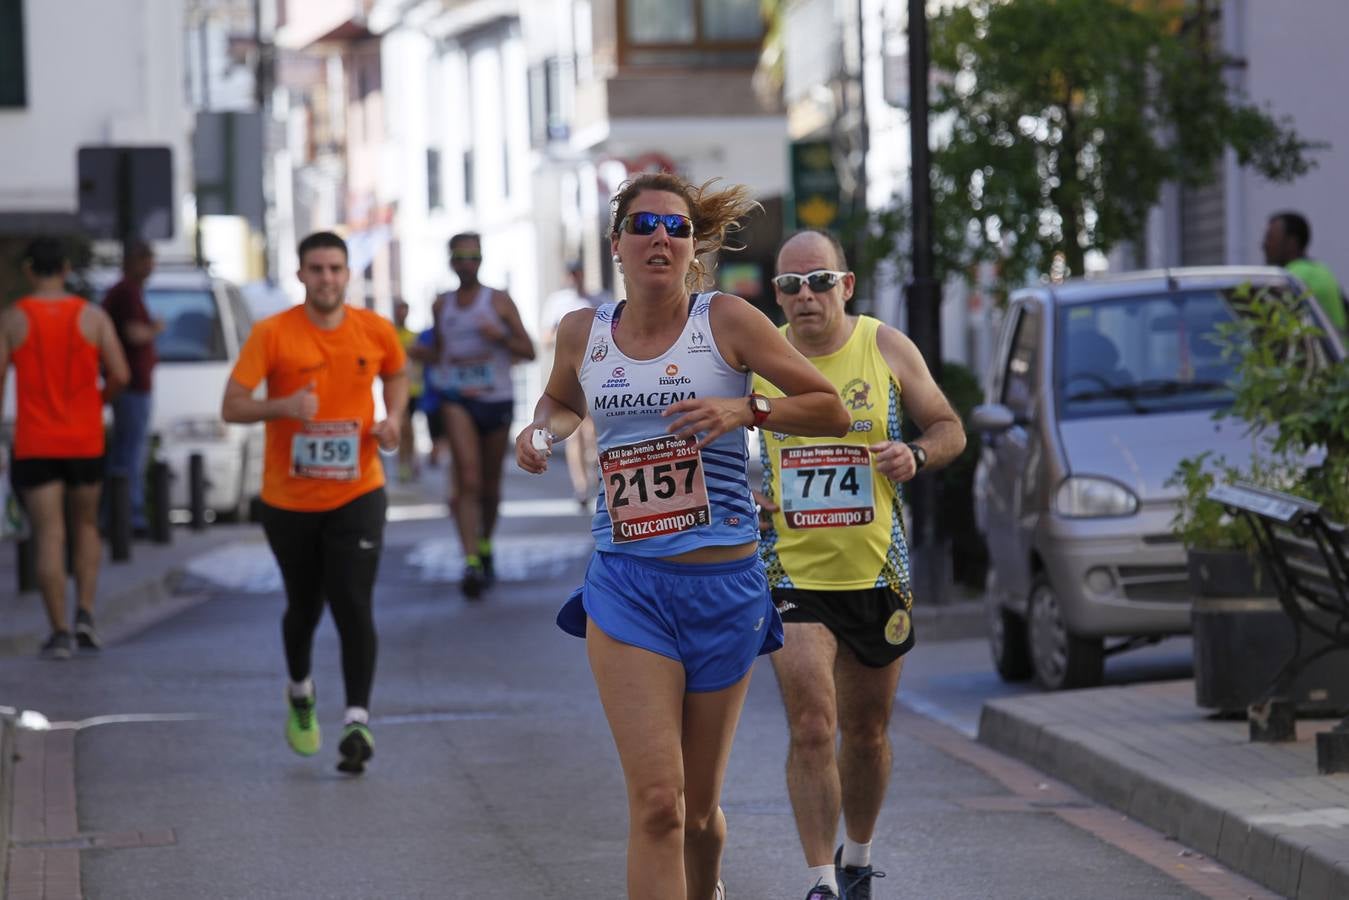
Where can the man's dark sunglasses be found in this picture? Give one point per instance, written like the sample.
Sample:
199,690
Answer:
820,280
644,223
458,256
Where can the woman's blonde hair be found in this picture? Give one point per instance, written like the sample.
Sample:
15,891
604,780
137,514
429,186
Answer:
715,214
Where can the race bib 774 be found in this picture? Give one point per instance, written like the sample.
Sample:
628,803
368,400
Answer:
826,486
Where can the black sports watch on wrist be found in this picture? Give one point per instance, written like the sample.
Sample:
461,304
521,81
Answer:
919,457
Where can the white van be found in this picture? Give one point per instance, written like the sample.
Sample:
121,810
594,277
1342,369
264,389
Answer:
206,321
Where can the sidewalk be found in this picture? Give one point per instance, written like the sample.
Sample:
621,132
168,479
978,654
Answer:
1148,751
131,594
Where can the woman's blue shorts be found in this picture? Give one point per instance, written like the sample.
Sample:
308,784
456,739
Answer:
715,618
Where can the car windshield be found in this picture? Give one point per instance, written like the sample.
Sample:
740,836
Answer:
1146,354
192,329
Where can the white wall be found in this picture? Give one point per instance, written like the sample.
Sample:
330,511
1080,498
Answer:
409,63
115,76
1296,63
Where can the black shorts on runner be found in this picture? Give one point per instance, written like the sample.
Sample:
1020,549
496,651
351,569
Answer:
875,623
435,420
72,471
487,415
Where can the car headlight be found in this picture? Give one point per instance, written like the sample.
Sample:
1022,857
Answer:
199,430
1086,496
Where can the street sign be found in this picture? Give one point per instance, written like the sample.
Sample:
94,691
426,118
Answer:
126,192
815,188
228,162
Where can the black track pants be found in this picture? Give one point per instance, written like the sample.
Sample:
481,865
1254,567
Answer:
330,555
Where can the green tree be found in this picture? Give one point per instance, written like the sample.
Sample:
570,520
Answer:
1067,117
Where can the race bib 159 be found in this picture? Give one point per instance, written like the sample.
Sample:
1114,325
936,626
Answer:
330,451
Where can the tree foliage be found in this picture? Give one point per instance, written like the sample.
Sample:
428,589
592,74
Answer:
1067,117
1293,396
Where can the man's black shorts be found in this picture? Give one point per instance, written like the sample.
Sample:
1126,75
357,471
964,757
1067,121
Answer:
73,471
874,623
487,415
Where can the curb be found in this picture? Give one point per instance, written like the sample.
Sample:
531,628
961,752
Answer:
120,615
6,794
1213,820
131,596
956,621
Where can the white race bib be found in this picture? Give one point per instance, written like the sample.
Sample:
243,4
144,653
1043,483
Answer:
654,487
826,486
329,451
463,377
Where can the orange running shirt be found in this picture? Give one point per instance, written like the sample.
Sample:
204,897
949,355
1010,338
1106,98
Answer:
321,465
60,400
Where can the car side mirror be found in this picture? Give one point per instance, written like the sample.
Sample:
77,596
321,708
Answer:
991,419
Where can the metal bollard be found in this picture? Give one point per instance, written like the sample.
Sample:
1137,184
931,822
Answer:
161,531
119,518
196,490
25,553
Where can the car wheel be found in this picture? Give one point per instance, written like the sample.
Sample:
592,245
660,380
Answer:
1007,641
1061,659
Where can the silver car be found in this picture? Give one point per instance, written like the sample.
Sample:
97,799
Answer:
1098,389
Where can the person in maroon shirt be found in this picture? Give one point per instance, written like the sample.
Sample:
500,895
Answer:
125,305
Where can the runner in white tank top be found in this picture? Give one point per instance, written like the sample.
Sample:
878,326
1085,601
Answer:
674,601
479,336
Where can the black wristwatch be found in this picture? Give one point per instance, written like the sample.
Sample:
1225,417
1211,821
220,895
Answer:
919,457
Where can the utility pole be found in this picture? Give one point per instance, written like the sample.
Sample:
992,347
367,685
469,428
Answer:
264,78
859,198
930,550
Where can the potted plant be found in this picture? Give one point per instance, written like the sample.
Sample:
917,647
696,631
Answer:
1221,552
1291,388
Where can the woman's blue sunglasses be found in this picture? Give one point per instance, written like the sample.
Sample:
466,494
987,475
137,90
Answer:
644,223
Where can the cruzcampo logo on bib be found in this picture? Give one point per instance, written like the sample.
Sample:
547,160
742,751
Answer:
327,451
654,487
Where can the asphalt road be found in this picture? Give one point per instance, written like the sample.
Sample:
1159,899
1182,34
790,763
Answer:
494,773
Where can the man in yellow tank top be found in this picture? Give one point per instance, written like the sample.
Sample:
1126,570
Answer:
833,542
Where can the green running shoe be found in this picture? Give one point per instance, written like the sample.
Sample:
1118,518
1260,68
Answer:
356,748
302,726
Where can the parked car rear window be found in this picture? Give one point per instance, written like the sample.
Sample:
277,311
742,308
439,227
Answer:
1144,354
192,329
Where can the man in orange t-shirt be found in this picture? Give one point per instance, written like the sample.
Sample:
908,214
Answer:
323,501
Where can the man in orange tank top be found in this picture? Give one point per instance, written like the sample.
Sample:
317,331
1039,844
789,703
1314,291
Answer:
57,343
323,502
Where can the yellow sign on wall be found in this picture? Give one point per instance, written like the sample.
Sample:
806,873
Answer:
815,189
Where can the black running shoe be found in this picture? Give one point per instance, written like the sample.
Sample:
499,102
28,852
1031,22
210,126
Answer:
822,892
473,582
489,572
85,635
356,748
60,645
854,882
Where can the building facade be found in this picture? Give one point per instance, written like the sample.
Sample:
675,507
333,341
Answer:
1287,57
130,92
